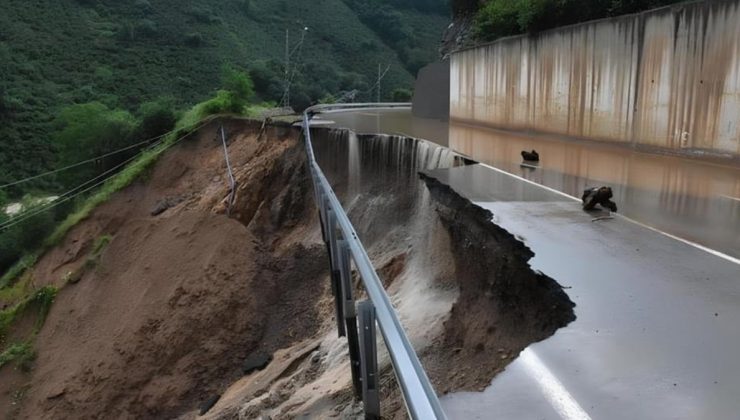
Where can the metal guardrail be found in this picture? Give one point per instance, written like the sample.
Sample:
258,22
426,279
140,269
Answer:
344,245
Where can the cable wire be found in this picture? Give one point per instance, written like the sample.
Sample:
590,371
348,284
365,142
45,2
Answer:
67,195
84,162
19,219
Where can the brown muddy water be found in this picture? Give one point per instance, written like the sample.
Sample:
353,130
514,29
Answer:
693,199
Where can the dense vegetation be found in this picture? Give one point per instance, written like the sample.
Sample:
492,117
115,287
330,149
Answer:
120,59
83,128
82,78
499,18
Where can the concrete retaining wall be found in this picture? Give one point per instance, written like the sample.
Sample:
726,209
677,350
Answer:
667,78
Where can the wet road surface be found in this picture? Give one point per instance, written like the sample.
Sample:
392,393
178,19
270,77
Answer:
656,334
694,200
656,328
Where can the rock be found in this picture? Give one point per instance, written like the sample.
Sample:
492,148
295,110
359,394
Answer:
165,204
56,394
256,362
208,404
532,156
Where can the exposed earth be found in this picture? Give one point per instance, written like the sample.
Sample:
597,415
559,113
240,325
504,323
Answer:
158,318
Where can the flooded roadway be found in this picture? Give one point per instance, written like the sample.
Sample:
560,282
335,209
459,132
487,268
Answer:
656,328
695,200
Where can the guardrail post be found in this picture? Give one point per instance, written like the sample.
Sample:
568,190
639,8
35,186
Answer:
335,278
350,316
322,217
369,358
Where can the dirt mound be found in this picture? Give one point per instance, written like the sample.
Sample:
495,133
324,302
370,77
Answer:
180,296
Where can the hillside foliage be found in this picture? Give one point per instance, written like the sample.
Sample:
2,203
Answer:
66,60
87,130
498,18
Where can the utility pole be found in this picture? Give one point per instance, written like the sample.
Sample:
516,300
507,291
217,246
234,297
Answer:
287,68
379,77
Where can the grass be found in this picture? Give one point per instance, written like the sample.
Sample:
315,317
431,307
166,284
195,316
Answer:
21,353
42,299
18,290
16,271
99,245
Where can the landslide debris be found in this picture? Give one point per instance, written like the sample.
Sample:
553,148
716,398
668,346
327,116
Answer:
181,295
188,311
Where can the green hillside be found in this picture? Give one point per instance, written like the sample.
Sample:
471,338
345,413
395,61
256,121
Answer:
499,18
124,53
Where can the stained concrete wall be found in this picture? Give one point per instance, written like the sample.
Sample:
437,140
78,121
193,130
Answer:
667,78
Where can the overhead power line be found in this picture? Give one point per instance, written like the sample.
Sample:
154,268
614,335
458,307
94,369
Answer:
84,162
66,196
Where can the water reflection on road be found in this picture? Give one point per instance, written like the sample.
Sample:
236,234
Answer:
691,199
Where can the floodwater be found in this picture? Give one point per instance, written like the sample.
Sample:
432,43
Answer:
695,200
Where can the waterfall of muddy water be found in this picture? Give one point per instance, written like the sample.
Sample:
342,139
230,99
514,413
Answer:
354,164
392,213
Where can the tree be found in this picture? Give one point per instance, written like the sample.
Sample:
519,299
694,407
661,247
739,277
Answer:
157,117
89,130
499,18
237,93
239,85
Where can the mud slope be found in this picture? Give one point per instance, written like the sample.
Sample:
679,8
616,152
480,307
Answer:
182,294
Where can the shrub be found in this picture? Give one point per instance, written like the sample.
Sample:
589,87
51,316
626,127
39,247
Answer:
126,32
89,130
146,28
268,78
14,272
234,97
21,353
401,95
143,5
328,99
23,237
194,39
4,107
202,14
497,18
41,300
156,118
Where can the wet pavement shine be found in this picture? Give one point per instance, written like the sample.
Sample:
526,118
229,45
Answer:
656,334
656,328
696,200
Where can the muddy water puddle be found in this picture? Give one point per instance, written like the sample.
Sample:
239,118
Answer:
695,200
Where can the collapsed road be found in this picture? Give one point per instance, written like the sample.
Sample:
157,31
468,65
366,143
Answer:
655,333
